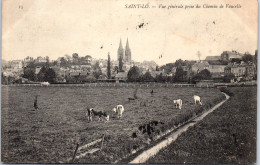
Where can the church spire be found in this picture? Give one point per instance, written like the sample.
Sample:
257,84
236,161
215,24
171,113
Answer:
127,44
120,45
127,52
120,51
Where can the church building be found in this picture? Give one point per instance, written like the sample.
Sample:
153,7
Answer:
125,55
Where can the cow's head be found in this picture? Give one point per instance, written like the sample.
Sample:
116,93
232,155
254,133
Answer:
114,109
174,101
107,118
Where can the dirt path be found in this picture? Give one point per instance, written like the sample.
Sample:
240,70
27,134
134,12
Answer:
144,156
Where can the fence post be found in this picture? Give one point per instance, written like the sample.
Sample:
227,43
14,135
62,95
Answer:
75,152
102,142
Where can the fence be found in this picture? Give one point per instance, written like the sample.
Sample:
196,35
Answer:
144,85
86,149
110,85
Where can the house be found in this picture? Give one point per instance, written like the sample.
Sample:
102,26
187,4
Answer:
199,66
37,69
16,64
88,59
217,70
121,76
155,73
41,59
250,72
229,55
237,70
27,60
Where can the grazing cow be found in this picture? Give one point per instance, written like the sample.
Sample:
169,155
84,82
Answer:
197,99
91,112
119,109
178,103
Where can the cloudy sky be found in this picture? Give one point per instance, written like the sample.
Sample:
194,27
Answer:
57,27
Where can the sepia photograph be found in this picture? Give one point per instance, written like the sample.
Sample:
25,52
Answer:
129,81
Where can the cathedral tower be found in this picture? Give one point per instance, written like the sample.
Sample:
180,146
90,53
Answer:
120,52
127,52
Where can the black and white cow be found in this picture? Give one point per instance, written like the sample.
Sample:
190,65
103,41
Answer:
91,113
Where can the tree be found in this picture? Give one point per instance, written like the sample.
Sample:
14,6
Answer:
63,62
179,74
147,77
237,60
157,68
46,74
228,77
179,62
108,67
47,64
97,70
116,69
202,75
120,66
247,58
50,75
205,74
133,74
75,58
168,67
29,72
41,74
160,78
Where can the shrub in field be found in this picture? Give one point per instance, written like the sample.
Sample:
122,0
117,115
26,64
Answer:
227,91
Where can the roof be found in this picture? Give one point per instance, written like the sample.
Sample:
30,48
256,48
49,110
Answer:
233,54
200,64
212,58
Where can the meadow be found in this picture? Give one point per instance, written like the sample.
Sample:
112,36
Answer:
226,136
50,134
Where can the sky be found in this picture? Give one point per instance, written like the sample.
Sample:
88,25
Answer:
55,28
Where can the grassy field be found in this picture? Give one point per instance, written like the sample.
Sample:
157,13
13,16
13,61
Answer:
50,134
226,136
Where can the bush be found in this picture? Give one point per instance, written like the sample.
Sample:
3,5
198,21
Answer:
227,91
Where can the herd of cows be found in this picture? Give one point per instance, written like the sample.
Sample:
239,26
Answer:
119,109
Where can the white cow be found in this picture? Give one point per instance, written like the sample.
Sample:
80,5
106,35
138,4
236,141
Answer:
178,103
119,109
197,99
45,83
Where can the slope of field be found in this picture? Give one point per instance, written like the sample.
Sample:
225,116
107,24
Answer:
50,134
226,136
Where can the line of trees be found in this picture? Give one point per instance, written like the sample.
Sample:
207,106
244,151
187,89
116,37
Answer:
134,75
45,74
